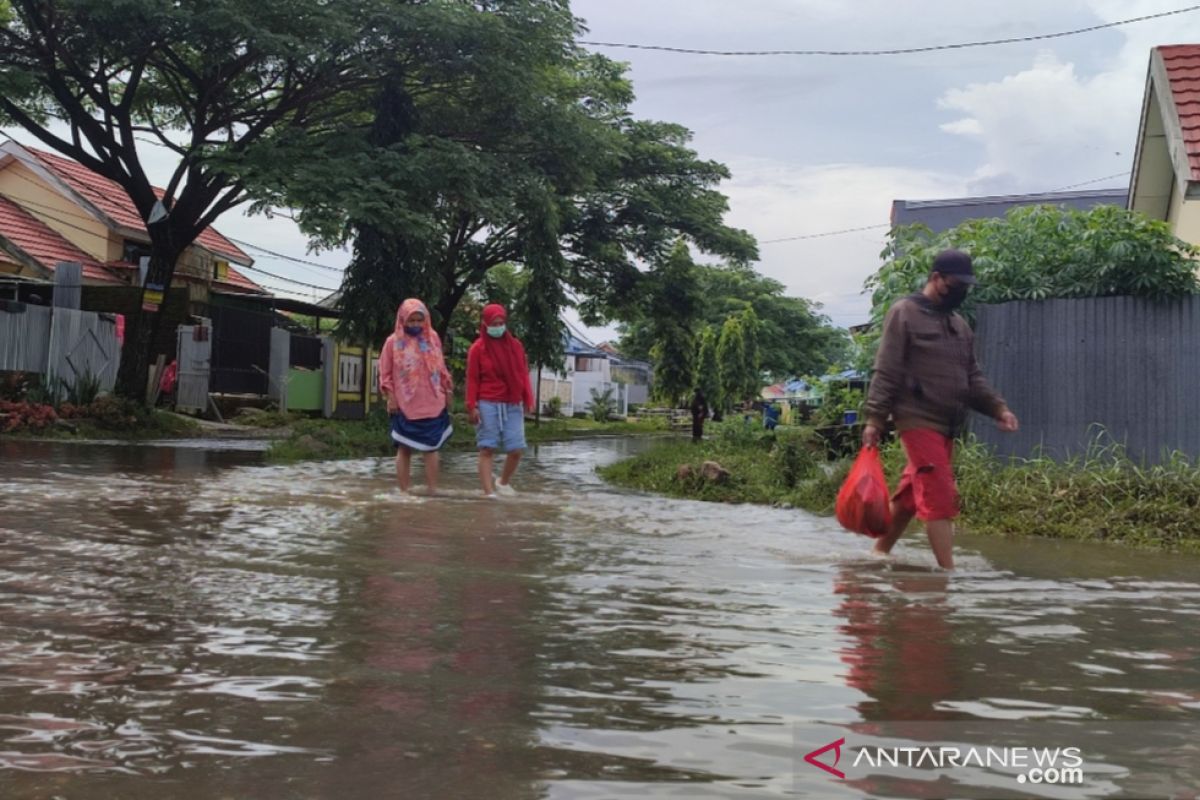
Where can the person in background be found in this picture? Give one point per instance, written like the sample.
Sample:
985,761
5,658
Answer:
699,414
418,387
771,415
498,395
166,383
926,378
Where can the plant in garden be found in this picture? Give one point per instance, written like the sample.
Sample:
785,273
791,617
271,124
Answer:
603,405
1043,252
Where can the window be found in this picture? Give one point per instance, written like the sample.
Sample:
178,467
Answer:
133,252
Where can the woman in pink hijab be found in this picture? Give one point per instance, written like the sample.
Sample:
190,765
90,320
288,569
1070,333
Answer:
418,388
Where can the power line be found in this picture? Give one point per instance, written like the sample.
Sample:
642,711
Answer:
824,234
827,233
288,280
898,50
1092,181
286,257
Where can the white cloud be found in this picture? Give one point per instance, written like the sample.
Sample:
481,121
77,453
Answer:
1049,123
778,200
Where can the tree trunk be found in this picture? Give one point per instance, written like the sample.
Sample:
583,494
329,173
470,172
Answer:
145,327
537,409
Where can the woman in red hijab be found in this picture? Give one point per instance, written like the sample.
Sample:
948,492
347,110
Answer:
498,395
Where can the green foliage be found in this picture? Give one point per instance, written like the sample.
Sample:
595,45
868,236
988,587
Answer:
602,406
708,373
82,391
794,460
1100,496
1043,252
530,157
838,398
553,407
244,85
675,300
737,357
794,338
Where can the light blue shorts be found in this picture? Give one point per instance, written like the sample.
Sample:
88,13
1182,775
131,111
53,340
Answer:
501,427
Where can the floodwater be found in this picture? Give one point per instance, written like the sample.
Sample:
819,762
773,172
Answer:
177,622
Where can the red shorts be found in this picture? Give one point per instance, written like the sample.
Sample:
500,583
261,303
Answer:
927,485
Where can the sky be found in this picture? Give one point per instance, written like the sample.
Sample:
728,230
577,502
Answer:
820,143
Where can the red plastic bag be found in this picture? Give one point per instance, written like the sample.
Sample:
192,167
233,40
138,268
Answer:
863,504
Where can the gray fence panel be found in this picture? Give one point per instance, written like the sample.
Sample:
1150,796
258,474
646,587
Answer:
1069,368
83,343
24,339
195,360
281,358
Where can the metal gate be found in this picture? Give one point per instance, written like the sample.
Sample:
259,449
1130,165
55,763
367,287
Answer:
241,355
195,360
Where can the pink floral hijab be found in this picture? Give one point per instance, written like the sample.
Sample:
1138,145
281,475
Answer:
417,359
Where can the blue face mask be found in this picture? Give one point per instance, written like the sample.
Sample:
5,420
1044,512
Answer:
414,330
496,331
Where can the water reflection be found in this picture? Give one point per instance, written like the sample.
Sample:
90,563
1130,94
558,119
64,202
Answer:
901,651
191,623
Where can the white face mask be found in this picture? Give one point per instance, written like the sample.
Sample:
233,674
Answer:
496,331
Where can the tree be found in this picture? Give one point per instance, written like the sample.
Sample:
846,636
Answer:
225,86
534,137
731,359
794,338
673,303
752,374
707,373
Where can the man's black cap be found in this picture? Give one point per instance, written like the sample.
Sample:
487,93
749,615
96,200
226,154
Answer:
955,263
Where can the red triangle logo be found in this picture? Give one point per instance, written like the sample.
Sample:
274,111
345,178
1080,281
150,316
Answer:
836,747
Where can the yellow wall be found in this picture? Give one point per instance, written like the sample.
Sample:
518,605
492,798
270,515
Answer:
58,213
75,225
10,267
1187,222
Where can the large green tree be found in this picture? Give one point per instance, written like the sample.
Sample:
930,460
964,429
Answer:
223,85
674,296
536,143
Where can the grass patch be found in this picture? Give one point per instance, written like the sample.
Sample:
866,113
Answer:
764,467
333,439
1101,496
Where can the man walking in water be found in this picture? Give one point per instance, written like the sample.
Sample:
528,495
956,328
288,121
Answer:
926,377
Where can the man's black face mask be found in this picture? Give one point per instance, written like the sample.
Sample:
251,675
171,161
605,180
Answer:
955,294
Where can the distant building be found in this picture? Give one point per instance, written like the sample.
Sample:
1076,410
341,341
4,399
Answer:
942,215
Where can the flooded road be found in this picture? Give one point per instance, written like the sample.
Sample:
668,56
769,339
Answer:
185,623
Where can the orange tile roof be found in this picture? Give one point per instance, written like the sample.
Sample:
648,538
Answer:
111,199
1182,62
44,245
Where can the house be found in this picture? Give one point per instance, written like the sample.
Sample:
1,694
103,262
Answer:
589,367
942,215
635,375
54,209
1165,182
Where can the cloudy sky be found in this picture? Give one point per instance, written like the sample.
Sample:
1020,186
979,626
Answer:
820,144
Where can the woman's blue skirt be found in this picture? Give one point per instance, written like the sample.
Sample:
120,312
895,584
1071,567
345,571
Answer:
425,435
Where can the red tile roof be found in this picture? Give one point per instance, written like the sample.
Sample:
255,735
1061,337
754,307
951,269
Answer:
43,244
1182,62
112,200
